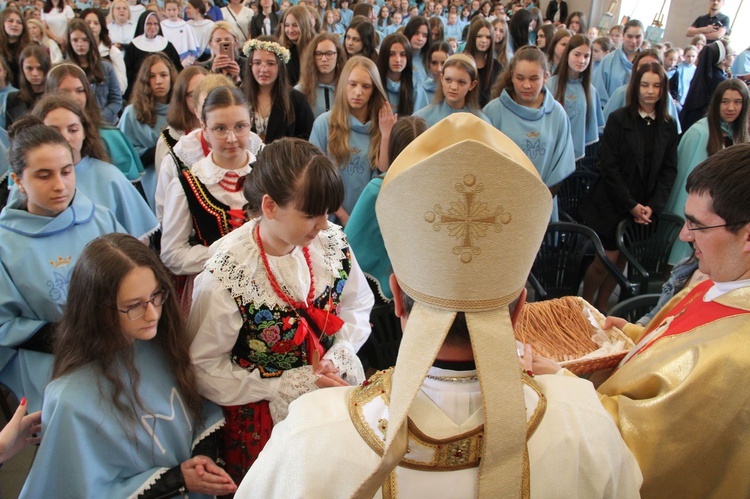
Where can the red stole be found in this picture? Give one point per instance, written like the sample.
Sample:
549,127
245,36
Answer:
692,312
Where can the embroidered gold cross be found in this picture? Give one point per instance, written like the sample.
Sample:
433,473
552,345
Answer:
468,219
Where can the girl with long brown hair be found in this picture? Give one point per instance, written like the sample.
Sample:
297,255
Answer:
278,110
725,124
146,116
571,86
82,49
321,68
123,416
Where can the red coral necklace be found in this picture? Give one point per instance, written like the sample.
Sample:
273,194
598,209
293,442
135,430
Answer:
325,322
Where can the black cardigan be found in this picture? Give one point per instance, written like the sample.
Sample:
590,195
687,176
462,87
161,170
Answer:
623,183
552,10
300,127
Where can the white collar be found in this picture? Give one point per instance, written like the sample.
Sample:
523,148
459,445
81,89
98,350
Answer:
722,288
151,45
210,173
644,114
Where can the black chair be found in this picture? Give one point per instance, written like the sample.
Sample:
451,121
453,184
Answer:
566,252
636,307
590,162
573,190
385,338
646,249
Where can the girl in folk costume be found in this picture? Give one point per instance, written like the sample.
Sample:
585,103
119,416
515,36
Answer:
81,49
436,57
278,110
101,181
282,306
295,34
205,202
480,45
42,233
146,116
395,68
638,164
725,124
571,87
119,373
528,114
321,68
350,133
107,50
70,80
194,146
458,92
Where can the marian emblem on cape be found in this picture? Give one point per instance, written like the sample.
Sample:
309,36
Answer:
468,219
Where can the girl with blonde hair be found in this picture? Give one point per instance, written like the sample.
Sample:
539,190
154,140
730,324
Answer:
350,132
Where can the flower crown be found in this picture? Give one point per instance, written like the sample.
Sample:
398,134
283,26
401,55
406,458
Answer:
280,51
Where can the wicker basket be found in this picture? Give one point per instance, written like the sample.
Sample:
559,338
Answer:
578,365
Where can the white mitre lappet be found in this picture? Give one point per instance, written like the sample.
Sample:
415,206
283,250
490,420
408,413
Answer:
463,212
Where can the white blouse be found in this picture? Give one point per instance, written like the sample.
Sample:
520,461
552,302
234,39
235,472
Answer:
241,20
57,21
121,33
215,319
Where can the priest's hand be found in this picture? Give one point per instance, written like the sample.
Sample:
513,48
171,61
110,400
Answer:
617,322
203,476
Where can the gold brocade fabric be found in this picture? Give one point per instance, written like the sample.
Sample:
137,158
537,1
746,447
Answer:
427,453
683,407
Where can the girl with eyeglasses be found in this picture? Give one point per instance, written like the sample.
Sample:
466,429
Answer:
321,68
42,234
122,416
278,110
193,146
205,201
282,305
